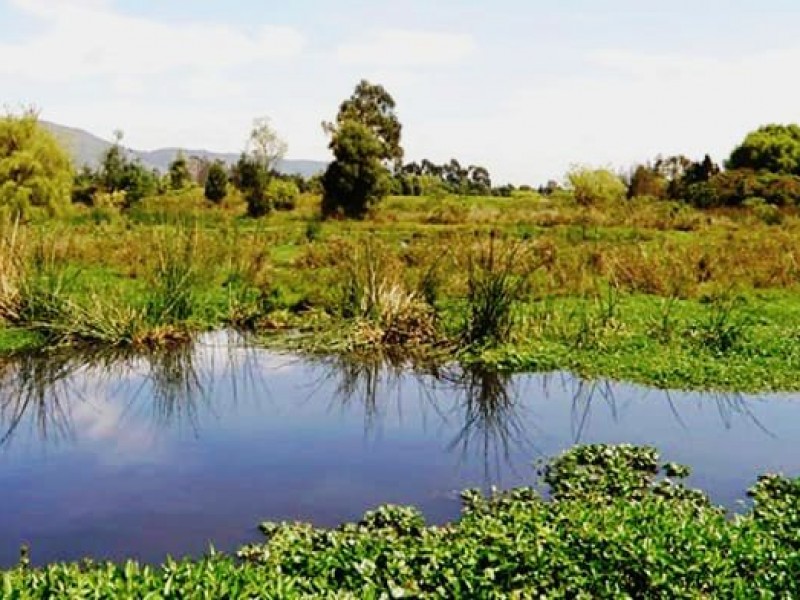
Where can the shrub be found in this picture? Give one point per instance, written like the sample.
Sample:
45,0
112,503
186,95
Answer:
732,188
647,182
216,187
283,194
768,214
252,179
595,186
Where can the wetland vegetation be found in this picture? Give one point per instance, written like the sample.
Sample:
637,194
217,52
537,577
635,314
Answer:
679,274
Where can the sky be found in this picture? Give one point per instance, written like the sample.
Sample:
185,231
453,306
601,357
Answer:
527,88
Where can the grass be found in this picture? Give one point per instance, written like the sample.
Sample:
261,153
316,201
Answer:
13,341
654,292
617,523
750,345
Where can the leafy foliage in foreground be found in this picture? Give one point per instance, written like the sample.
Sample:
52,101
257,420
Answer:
612,528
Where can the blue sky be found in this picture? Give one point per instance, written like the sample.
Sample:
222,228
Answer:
524,88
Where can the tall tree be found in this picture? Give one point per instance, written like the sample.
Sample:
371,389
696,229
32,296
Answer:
480,182
265,146
364,139
356,179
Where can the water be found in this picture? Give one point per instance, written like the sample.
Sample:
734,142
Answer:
117,456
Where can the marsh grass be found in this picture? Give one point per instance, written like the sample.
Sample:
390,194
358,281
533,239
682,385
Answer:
663,325
45,294
12,268
374,294
250,294
498,277
171,297
596,319
723,327
398,280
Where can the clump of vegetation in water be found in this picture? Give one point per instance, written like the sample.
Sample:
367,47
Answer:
617,524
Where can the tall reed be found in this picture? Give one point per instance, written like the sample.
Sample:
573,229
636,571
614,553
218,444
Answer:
12,269
172,294
498,277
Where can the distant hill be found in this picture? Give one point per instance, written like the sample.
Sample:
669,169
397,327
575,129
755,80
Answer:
87,149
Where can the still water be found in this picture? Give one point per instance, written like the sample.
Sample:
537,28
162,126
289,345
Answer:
119,456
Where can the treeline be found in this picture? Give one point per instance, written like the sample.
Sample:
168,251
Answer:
766,167
426,177
365,140
121,180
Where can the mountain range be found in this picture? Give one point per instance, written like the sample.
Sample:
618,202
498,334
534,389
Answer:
88,149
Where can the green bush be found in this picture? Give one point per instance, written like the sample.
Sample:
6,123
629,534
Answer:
283,194
767,213
595,186
216,187
732,188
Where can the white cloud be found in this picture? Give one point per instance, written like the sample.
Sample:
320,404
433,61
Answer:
401,48
85,38
625,107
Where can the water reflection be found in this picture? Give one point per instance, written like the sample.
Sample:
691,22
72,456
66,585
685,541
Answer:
490,417
488,412
174,384
114,454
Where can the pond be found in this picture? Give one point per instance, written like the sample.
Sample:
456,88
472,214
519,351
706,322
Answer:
115,456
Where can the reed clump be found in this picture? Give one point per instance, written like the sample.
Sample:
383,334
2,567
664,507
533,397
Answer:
498,276
375,296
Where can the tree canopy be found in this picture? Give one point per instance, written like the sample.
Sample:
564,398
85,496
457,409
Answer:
373,106
34,170
265,146
773,148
